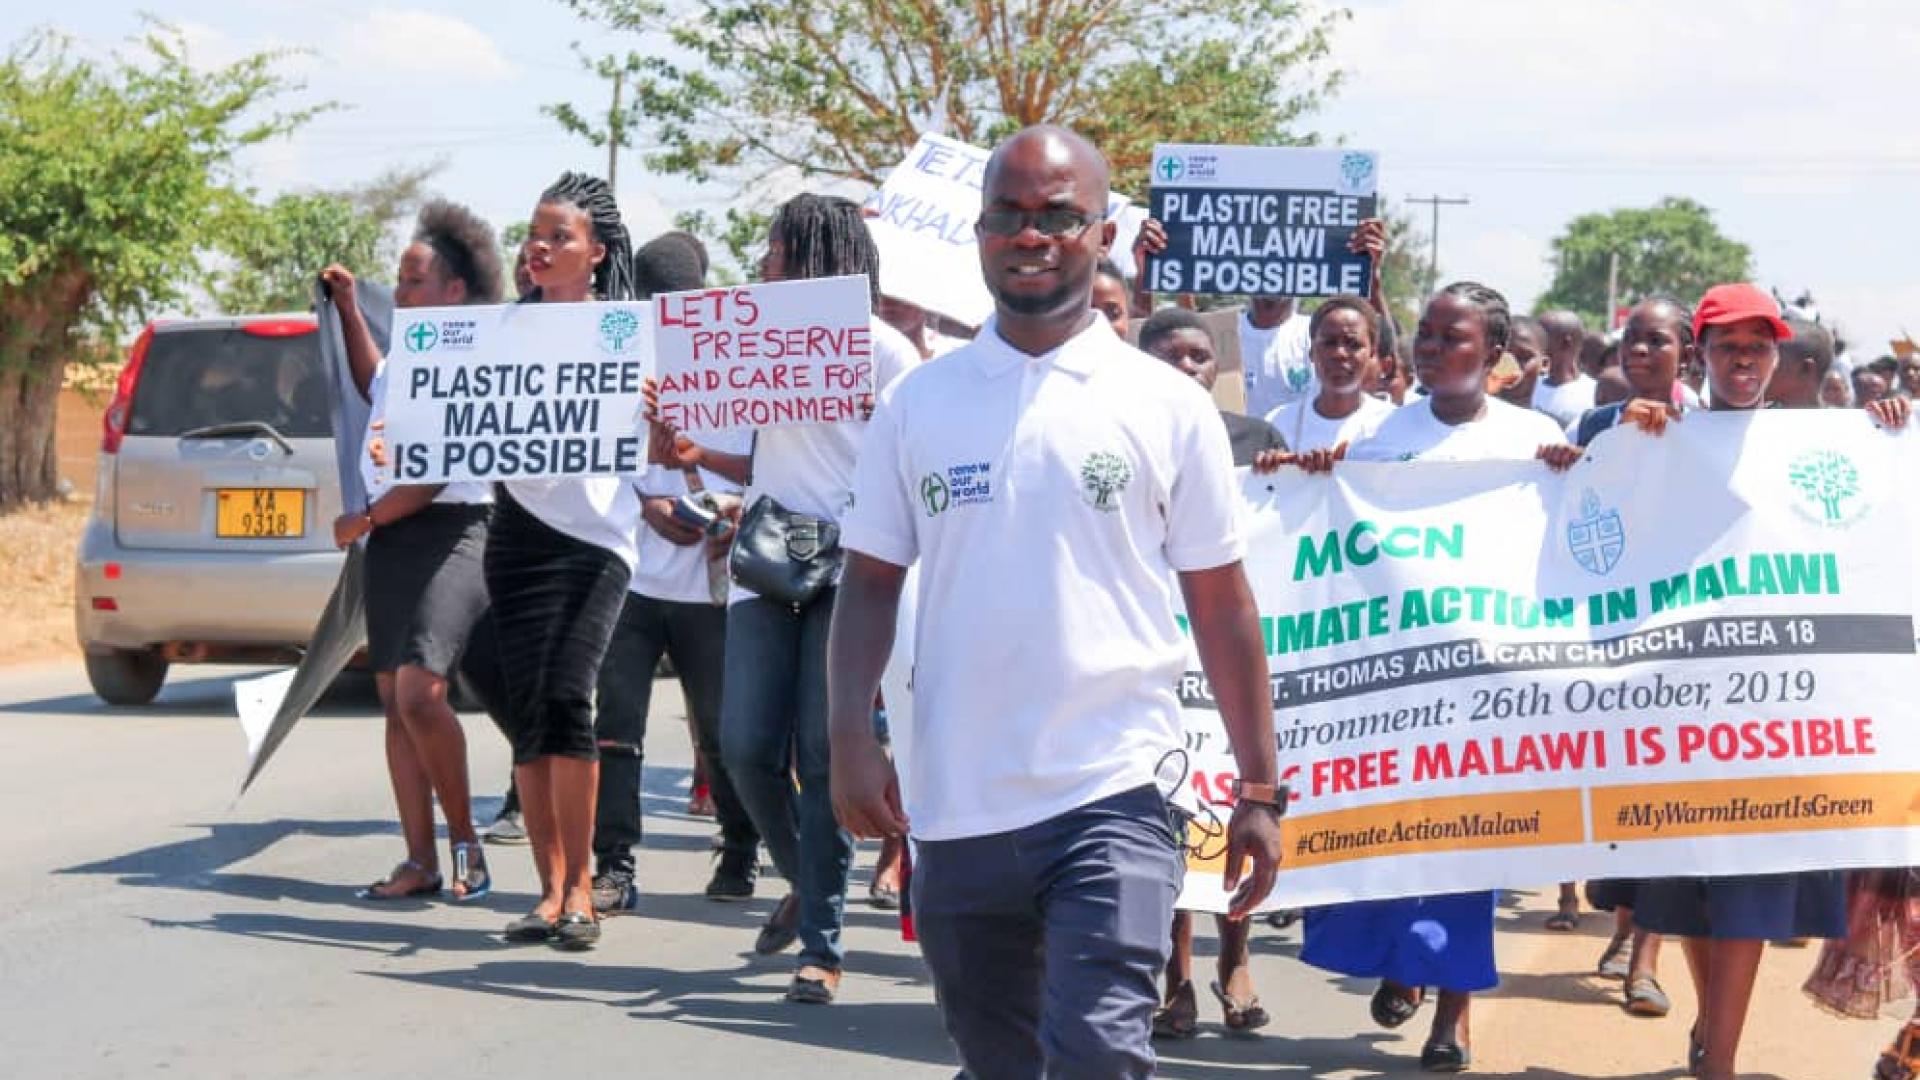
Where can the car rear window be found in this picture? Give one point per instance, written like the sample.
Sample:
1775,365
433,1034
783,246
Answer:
198,378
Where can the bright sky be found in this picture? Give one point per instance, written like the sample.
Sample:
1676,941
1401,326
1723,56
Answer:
1774,113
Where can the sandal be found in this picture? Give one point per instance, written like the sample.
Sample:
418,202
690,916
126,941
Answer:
531,927
1613,961
883,897
1696,1050
470,877
1391,1007
1445,1057
1564,921
576,931
1646,998
1241,1016
379,889
1901,1061
1179,1018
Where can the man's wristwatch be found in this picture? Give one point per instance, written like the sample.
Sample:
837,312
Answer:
1272,795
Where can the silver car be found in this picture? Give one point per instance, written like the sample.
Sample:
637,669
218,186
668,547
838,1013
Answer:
211,538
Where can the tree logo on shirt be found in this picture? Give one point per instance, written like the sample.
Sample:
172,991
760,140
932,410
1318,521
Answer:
933,493
1828,484
1102,477
619,330
1597,538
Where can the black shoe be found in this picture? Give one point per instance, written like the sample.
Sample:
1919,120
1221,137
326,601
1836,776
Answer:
614,893
734,877
576,931
782,927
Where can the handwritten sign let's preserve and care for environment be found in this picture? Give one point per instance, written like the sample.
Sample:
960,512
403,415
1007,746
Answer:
787,354
1261,220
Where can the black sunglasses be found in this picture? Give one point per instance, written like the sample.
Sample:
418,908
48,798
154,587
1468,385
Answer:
1052,223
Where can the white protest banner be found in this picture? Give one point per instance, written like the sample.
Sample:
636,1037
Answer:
1261,220
518,390
1691,654
784,354
922,219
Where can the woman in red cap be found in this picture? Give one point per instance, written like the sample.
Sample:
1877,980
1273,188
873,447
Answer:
1728,920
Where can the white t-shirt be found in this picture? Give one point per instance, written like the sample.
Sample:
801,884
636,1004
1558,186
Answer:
665,570
1301,425
1567,402
1049,502
1413,433
810,469
1278,369
378,481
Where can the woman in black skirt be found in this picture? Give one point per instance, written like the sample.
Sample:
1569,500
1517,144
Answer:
425,586
559,556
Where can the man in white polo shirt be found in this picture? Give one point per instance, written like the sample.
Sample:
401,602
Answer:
1055,484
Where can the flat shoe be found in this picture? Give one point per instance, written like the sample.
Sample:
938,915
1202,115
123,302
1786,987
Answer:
813,985
1444,1057
576,931
531,927
1241,1016
1646,998
1390,1008
375,891
782,927
883,898
1613,962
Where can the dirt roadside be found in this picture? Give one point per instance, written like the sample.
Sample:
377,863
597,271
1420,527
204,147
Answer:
37,546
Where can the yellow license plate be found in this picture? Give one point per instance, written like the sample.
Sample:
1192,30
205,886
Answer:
260,513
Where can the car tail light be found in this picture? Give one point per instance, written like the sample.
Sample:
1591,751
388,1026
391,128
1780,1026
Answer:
105,603
279,327
114,424
111,571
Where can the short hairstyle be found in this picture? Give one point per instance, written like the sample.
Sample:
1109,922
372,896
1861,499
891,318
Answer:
1528,323
698,245
613,278
1346,302
1810,341
1885,366
665,264
824,236
1685,329
1167,322
1108,268
462,243
1494,315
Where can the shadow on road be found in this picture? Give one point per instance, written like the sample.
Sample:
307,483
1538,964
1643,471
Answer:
351,696
725,1001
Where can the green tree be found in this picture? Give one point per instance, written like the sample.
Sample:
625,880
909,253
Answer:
1671,249
273,252
112,174
841,89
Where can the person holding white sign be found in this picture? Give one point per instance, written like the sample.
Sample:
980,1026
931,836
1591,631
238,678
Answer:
773,725
1727,921
425,586
1441,941
559,556
1054,484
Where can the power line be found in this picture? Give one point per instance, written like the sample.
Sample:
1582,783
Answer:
1433,236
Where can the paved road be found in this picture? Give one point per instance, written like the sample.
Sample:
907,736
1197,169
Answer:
150,925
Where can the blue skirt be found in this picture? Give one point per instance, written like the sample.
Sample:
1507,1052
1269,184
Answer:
1442,941
1761,907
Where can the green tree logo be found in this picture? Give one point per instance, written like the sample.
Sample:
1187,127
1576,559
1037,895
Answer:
618,329
1102,477
1827,480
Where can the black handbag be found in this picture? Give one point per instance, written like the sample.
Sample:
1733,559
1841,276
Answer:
784,555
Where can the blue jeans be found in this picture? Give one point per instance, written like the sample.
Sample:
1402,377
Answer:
1046,942
773,727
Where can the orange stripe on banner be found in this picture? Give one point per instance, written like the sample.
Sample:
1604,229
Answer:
1786,804
1460,823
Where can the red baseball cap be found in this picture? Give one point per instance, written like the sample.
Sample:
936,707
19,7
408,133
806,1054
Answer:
1725,304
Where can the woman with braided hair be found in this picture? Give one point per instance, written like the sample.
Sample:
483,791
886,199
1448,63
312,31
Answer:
425,589
559,556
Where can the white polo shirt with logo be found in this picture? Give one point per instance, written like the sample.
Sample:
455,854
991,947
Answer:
1049,502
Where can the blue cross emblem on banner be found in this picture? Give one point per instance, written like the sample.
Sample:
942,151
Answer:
1596,538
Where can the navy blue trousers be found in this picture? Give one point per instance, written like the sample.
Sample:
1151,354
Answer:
1046,943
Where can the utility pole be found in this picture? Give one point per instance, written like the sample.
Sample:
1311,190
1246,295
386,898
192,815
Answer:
1433,236
616,131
